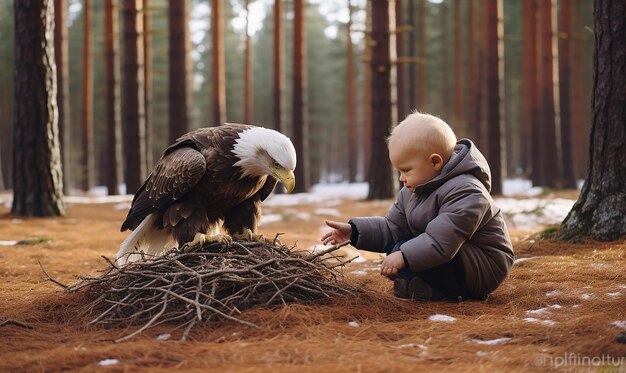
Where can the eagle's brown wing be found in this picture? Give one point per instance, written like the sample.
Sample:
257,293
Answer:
176,173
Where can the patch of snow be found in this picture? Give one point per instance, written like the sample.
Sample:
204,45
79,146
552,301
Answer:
481,353
615,294
553,293
497,341
413,345
576,306
520,187
540,321
544,310
532,212
586,296
353,324
271,218
620,324
107,362
163,337
441,318
327,211
622,286
8,243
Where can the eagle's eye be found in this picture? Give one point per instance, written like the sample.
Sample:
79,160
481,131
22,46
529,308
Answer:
276,164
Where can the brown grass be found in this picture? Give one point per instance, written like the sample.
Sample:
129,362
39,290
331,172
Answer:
580,282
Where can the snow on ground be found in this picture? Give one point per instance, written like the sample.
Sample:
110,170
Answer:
441,318
521,203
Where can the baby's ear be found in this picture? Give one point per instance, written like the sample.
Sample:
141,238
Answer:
436,161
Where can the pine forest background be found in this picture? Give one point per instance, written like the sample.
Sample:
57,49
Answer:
438,60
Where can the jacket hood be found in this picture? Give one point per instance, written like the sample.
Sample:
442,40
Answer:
466,158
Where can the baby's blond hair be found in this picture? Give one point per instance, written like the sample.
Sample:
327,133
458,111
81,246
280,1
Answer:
424,133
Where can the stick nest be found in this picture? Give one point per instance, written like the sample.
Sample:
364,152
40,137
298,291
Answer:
209,282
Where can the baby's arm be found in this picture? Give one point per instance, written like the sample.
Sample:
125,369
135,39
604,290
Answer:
339,233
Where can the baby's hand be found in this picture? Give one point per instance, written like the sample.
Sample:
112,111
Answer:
392,264
339,233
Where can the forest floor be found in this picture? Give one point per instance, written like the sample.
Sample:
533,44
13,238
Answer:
562,308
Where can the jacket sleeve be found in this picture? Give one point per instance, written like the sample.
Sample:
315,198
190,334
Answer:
378,233
461,213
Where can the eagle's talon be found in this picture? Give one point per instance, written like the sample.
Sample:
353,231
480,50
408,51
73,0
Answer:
248,235
202,239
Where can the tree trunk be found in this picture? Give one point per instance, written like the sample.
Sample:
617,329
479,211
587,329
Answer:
400,67
530,102
88,156
219,73
411,78
473,123
494,131
549,156
445,62
421,63
279,85
569,180
380,177
248,81
37,170
133,114
300,125
458,55
600,211
63,86
113,165
580,96
147,79
179,69
351,92
367,93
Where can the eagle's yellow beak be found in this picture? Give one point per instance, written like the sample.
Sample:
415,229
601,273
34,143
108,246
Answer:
287,178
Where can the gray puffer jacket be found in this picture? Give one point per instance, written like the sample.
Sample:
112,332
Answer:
451,214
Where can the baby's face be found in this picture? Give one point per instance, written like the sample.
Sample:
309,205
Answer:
414,166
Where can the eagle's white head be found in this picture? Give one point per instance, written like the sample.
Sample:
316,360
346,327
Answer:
263,151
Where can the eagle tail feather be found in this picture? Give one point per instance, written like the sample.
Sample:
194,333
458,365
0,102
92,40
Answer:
146,239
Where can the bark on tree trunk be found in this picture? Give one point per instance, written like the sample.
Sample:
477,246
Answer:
248,90
351,92
219,87
113,165
600,211
179,69
278,85
37,170
549,156
61,55
380,178
300,125
147,79
88,156
133,114
569,180
529,111
495,149
421,63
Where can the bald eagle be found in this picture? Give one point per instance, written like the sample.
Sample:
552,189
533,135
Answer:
209,179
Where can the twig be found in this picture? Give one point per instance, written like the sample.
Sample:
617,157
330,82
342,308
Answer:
48,278
8,322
